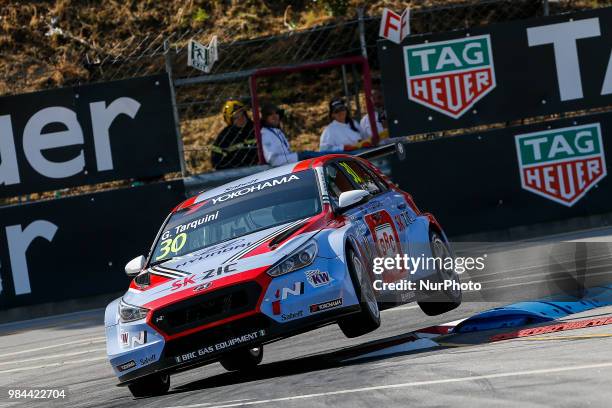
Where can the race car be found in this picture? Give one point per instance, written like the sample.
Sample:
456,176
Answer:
265,257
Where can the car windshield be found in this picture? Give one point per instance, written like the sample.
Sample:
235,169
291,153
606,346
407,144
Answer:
240,211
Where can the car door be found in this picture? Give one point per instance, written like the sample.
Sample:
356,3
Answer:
338,182
378,215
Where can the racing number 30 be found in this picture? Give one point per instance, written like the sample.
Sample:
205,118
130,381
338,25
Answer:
172,245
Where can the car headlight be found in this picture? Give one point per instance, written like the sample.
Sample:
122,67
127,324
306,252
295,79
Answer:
130,313
301,257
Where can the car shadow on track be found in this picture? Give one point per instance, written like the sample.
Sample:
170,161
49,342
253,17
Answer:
373,350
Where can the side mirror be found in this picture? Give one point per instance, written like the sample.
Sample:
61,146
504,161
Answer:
350,198
134,267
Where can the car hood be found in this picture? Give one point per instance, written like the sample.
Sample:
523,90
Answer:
227,263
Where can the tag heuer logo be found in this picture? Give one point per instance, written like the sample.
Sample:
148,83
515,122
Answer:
561,164
450,76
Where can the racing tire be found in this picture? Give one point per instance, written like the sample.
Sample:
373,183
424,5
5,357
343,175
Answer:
243,359
448,299
150,386
368,319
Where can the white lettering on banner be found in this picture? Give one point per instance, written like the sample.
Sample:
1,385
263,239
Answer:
102,118
35,142
606,88
18,243
9,171
563,36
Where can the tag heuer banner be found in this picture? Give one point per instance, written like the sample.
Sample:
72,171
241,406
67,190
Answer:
562,164
515,176
497,73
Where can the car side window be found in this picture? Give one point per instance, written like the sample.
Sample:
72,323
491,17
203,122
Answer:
337,182
360,177
377,179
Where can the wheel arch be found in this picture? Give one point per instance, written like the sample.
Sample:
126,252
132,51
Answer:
435,226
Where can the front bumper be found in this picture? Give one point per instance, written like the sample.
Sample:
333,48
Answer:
291,304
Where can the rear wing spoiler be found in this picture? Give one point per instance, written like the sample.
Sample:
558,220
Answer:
396,148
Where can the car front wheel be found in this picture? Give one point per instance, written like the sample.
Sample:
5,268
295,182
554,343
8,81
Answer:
242,359
150,386
368,319
445,300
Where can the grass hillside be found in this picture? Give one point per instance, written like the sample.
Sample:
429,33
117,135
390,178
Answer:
46,44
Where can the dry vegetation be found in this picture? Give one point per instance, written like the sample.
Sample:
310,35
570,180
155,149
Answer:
45,44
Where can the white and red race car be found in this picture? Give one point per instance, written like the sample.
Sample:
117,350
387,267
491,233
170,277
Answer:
266,257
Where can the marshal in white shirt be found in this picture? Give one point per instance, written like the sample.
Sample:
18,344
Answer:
336,135
276,148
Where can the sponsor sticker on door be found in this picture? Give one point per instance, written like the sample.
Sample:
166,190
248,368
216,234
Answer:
450,76
561,164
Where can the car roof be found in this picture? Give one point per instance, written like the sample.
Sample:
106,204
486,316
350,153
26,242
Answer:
254,178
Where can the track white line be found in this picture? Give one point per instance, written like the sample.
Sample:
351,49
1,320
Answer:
87,360
51,356
85,341
405,385
397,309
540,281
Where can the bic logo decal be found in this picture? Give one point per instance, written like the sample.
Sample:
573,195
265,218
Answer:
561,164
450,76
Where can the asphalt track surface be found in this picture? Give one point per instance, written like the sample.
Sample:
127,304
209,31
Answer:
324,369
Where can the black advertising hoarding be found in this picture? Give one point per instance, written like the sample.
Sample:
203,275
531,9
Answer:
514,176
78,246
87,134
497,73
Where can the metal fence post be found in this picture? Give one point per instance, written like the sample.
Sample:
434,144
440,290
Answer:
179,138
546,7
356,90
347,95
256,118
362,40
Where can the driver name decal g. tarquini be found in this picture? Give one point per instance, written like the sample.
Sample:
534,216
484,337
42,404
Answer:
561,164
450,76
190,225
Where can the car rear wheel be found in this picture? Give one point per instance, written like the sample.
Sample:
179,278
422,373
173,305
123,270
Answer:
447,299
368,319
150,386
242,359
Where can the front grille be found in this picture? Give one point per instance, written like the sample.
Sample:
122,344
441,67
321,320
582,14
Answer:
207,308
